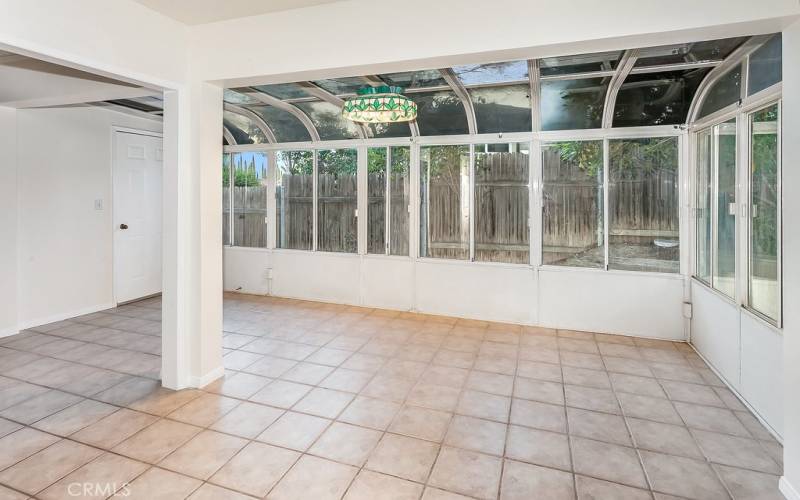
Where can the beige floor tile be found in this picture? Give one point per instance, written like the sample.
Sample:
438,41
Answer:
660,410
281,394
370,485
307,373
7,427
692,393
467,472
324,402
369,412
255,469
421,423
238,385
129,390
708,418
607,461
664,438
346,443
204,410
477,435
13,392
115,428
446,375
41,406
204,454
388,388
75,417
346,380
247,420
539,371
634,384
159,484
8,494
47,466
483,405
581,360
313,477
749,485
157,441
402,456
524,481
595,489
585,377
437,494
683,477
598,426
329,357
539,415
736,452
539,390
628,366
21,444
210,492
549,449
98,479
589,398
294,430
436,397
164,401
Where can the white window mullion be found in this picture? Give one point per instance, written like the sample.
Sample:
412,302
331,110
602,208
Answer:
315,229
362,202
272,205
471,202
535,194
606,164
387,205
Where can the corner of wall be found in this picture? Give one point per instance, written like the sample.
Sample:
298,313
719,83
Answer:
8,222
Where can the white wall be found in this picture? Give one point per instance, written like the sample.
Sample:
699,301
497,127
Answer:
642,304
791,264
65,245
8,221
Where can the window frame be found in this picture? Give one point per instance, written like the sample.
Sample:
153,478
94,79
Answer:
387,212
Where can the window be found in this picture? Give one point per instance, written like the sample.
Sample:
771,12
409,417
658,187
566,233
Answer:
657,98
703,206
765,66
226,199
337,200
328,120
724,222
725,91
243,129
388,171
573,104
294,196
249,199
444,202
764,244
440,113
572,204
501,203
643,205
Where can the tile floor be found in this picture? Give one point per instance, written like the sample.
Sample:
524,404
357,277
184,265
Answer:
322,401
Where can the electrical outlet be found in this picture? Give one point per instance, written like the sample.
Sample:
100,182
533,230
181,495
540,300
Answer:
98,204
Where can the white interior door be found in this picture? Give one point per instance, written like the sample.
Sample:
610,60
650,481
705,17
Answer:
137,215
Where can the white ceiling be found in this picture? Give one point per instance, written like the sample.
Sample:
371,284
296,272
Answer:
208,11
31,83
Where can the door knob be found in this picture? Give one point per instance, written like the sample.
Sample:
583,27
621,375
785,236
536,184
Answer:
123,226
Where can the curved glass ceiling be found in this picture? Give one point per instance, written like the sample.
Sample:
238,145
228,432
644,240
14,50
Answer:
657,89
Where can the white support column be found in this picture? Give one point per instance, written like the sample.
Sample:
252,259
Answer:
192,251
8,222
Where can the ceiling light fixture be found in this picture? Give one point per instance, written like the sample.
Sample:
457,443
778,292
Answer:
382,104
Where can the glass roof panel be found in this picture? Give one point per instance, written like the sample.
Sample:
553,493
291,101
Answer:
475,74
502,108
657,98
765,66
286,127
328,120
238,97
712,50
243,129
573,104
415,79
340,86
284,90
440,113
727,90
390,129
583,63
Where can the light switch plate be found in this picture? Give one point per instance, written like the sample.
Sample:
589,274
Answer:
98,204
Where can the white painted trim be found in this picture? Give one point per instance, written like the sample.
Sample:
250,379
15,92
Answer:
67,315
789,491
8,332
209,377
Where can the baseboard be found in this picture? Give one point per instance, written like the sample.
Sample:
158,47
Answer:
789,491
67,315
207,378
8,332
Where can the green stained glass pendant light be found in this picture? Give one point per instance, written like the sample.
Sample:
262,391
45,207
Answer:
379,105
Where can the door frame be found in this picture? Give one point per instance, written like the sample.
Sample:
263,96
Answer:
117,129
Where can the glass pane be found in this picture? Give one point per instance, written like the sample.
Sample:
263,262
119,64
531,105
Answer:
440,113
286,127
376,200
572,204
573,104
725,229
481,74
501,203
249,199
400,198
337,188
226,199
727,90
502,109
765,66
243,129
711,50
415,79
643,205
444,202
657,98
294,196
340,86
703,202
235,97
583,63
327,118
380,130
765,296
284,90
